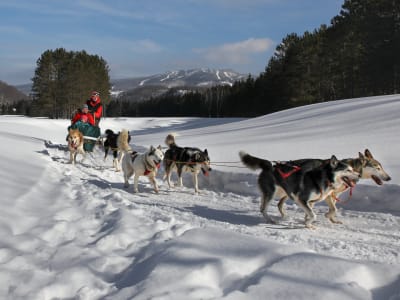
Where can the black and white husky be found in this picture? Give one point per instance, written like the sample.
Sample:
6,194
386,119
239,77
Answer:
305,186
185,159
142,164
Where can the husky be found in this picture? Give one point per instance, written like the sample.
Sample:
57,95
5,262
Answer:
117,145
185,159
366,165
305,186
75,145
145,164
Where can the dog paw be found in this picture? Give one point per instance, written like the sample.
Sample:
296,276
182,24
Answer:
335,221
311,226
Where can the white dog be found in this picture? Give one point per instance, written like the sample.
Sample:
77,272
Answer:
144,164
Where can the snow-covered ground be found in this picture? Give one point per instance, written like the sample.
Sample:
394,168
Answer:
74,232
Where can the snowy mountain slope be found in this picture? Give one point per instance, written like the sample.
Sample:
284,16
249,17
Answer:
193,78
76,232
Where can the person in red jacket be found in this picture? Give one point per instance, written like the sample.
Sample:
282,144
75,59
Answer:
83,116
95,107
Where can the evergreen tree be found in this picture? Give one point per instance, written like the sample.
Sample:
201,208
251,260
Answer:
63,81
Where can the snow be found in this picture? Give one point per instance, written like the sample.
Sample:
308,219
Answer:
74,232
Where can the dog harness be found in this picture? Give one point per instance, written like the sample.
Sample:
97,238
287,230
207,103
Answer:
147,172
285,175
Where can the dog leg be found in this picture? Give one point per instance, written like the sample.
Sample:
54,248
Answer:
195,182
127,175
116,165
264,208
310,217
83,155
168,176
306,205
154,182
105,152
120,156
180,171
71,158
136,183
281,206
331,214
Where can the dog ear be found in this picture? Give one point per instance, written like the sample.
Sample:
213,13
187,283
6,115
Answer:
368,154
152,149
205,151
334,161
363,159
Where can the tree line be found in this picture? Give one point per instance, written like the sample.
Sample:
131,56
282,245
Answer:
357,55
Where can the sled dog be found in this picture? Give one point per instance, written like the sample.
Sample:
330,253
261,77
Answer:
145,164
117,145
366,165
305,186
75,145
184,159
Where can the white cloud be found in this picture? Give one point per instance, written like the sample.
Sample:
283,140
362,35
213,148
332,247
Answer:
236,53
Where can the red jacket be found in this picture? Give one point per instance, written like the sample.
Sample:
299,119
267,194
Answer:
95,107
80,116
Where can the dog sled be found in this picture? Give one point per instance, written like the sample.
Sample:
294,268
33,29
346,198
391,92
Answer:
91,134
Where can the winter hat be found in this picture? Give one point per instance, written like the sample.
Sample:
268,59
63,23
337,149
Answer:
85,106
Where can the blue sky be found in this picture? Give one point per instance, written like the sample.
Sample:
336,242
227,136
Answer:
145,37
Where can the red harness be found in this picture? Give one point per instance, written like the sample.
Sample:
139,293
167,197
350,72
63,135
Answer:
288,174
147,172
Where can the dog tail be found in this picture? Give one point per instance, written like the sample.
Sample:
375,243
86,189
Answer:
170,139
253,162
123,141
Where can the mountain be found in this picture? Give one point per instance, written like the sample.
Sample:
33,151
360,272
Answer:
153,85
182,78
9,93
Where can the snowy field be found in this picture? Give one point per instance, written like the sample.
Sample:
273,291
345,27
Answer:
75,232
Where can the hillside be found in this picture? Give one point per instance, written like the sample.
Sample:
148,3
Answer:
182,78
10,94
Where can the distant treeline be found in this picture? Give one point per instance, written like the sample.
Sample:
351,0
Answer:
357,55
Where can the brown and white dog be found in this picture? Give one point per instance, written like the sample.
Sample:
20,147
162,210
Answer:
75,145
